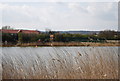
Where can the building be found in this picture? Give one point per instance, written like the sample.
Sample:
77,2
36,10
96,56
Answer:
17,31
16,36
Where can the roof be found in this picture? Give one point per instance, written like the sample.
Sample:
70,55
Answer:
17,31
30,31
9,31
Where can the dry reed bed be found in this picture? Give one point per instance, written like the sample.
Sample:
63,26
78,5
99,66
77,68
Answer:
0,64
60,63
65,44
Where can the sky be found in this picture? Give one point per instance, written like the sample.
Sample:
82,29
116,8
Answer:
60,16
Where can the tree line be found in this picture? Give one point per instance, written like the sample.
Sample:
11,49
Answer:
58,37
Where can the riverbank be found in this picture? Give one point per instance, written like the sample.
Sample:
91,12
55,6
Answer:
63,44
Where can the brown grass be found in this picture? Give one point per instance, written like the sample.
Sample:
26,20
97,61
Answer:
65,44
63,63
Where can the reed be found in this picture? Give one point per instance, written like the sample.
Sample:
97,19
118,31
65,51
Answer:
60,63
63,44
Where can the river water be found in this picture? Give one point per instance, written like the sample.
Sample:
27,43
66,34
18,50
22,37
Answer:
59,62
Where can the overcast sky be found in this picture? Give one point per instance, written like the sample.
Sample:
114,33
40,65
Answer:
60,15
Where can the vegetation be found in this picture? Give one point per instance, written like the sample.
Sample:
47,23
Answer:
61,63
109,34
58,37
9,37
6,27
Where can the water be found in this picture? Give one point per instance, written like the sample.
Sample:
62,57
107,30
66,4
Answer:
60,62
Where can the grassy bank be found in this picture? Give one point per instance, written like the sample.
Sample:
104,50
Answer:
63,44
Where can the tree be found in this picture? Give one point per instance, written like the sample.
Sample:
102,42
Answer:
107,34
20,37
59,37
6,27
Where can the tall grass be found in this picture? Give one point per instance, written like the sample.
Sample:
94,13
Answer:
60,63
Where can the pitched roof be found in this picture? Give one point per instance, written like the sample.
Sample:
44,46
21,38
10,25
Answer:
30,31
17,31
9,31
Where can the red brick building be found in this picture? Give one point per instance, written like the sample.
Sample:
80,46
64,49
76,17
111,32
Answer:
17,31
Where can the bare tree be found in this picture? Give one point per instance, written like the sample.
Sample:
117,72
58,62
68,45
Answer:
6,27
